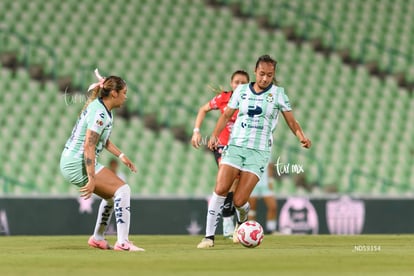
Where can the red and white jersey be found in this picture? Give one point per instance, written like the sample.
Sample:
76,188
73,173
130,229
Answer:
220,102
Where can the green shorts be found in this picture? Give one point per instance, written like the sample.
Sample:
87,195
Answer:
74,171
245,159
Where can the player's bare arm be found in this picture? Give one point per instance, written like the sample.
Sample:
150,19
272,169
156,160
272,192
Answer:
202,111
221,124
91,140
296,129
112,148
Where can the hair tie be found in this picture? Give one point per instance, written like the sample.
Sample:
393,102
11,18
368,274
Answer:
100,82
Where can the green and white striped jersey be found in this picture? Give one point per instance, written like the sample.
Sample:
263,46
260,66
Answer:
96,118
258,115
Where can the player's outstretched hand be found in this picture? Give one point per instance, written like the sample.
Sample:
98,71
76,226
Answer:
306,143
128,163
213,142
196,140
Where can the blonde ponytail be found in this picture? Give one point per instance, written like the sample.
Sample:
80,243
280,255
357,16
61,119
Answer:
91,98
95,88
217,89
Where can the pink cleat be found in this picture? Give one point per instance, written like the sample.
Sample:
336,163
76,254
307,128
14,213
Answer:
127,246
103,244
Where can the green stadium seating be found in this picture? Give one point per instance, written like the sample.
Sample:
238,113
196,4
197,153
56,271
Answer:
369,29
354,120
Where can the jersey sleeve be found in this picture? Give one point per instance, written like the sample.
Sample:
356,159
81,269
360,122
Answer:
95,120
216,101
283,100
235,98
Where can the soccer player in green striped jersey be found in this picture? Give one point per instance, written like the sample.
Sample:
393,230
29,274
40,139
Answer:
79,161
248,151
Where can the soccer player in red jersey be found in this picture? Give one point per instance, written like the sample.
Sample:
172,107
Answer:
219,102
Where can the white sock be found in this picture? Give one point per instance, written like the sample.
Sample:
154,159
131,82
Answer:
122,212
229,219
228,226
242,212
215,208
105,211
271,225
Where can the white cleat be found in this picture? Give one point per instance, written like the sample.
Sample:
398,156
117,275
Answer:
206,243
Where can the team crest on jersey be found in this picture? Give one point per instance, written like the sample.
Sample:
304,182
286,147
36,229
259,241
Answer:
269,98
99,122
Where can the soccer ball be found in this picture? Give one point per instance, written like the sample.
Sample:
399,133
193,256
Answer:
250,233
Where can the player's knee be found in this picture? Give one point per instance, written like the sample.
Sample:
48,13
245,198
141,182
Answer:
221,190
123,190
239,201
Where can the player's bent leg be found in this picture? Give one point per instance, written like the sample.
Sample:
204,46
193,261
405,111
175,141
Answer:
228,218
252,212
242,213
109,185
245,187
229,211
271,216
225,178
228,226
105,211
215,206
270,203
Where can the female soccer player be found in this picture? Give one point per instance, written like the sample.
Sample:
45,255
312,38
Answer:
220,102
79,164
248,151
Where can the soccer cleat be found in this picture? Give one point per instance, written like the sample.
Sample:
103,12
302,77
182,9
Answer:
228,227
127,246
206,243
103,244
235,238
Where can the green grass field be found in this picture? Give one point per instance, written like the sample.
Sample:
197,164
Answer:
168,255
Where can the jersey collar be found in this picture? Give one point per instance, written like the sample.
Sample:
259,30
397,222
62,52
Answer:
251,86
107,111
